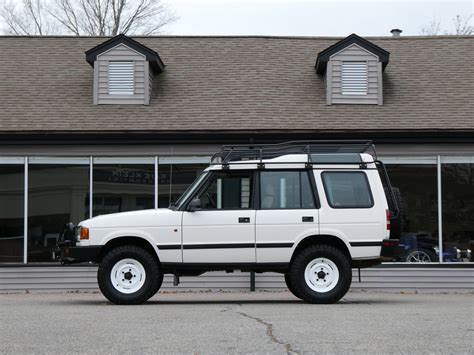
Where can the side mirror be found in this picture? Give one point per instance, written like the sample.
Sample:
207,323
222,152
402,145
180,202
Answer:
194,205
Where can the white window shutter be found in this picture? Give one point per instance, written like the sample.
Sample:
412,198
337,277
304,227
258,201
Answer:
354,78
121,77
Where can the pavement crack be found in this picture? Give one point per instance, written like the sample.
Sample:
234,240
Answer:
289,349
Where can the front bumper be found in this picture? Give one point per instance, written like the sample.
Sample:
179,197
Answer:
70,255
391,250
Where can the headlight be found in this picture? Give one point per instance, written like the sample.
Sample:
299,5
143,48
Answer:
82,233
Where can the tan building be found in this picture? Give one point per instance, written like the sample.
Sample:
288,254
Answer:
131,122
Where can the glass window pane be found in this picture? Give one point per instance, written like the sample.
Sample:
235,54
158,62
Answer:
458,211
174,179
285,190
11,213
416,191
228,190
123,187
57,194
347,189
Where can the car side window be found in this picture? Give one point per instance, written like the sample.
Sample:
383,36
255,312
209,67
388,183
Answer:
285,190
347,189
228,190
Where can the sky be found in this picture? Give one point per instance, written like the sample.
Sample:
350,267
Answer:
312,17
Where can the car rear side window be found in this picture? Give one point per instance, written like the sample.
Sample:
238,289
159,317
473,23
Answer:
347,189
285,190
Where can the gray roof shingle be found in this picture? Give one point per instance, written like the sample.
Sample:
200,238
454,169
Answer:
236,83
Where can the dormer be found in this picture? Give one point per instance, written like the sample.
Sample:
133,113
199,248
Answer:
123,71
352,69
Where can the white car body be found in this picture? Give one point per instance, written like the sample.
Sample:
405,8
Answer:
271,235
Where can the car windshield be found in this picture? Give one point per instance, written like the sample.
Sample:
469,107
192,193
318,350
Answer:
189,191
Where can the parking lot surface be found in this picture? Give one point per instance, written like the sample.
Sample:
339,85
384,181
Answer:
237,322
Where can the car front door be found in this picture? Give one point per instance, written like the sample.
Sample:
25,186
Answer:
222,229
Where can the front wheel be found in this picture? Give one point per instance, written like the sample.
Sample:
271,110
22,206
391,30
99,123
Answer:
320,274
129,275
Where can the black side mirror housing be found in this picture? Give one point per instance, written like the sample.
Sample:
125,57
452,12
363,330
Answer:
194,205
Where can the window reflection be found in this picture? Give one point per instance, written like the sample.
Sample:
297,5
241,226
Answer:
57,194
458,211
174,179
123,187
416,184
11,213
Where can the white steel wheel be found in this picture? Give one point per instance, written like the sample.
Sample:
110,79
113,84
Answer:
321,275
128,276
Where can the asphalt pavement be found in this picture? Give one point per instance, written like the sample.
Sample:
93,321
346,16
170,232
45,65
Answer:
238,322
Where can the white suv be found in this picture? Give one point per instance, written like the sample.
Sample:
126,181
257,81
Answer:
310,211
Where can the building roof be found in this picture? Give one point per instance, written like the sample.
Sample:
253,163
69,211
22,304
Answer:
230,84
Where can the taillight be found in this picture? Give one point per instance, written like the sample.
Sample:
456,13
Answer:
389,243
388,219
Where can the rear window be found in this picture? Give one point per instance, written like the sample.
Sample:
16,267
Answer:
347,189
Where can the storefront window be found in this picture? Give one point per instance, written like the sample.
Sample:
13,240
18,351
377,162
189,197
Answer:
416,190
174,179
57,194
123,185
11,212
458,211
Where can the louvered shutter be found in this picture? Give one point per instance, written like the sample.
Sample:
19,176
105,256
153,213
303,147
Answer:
354,78
121,77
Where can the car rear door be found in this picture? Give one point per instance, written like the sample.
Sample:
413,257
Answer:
288,209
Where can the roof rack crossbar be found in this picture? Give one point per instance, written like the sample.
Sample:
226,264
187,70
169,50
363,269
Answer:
259,152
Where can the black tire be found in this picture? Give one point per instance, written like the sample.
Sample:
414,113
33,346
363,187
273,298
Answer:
326,252
290,286
152,280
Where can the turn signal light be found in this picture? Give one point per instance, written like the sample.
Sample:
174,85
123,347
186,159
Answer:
84,234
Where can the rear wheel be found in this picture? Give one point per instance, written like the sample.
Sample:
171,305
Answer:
129,275
320,274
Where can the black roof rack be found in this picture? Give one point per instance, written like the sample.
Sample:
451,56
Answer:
317,152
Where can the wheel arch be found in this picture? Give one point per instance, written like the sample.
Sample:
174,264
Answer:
320,239
128,240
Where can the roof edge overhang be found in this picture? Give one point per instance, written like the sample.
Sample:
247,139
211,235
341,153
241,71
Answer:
325,55
421,136
151,56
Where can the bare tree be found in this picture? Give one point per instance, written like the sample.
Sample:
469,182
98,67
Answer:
87,17
462,26
432,29
26,18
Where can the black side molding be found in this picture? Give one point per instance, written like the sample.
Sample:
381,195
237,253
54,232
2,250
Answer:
225,246
365,244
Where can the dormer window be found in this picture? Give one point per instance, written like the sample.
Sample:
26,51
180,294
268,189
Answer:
352,70
123,71
121,78
354,78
